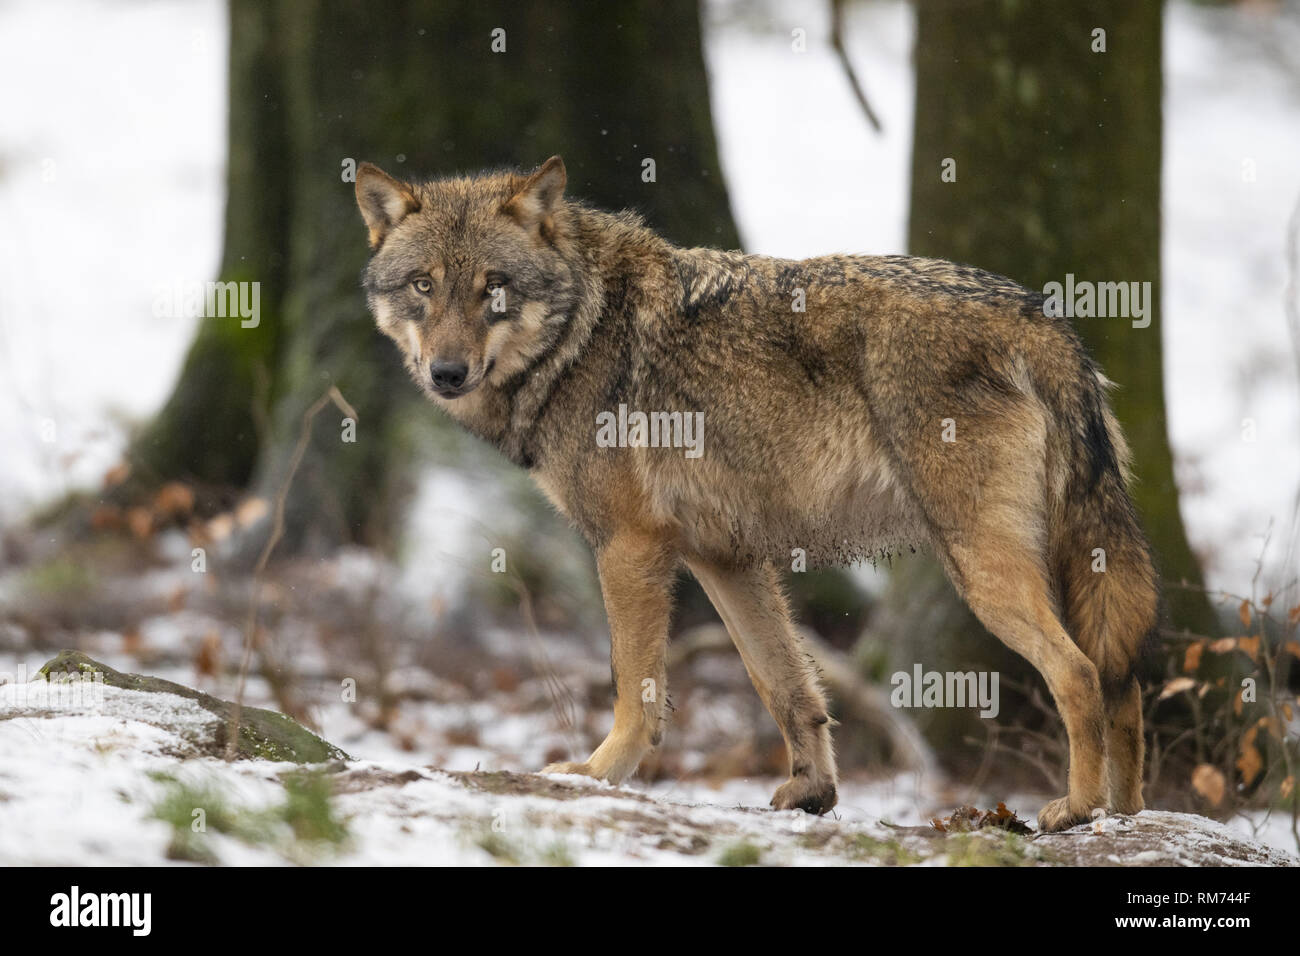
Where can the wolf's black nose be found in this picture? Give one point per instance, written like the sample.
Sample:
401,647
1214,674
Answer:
448,374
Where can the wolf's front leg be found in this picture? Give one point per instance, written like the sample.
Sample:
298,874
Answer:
751,603
636,578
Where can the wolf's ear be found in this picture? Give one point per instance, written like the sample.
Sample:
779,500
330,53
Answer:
534,202
384,202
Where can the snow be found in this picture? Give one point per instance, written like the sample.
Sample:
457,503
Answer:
79,782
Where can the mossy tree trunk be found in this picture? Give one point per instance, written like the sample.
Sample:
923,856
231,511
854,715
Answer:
1057,151
416,87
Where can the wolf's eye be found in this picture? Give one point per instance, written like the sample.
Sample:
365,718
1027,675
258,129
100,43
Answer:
422,286
495,285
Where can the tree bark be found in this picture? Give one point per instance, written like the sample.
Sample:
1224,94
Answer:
1058,149
416,87
1057,152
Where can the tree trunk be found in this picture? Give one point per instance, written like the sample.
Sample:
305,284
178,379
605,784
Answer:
416,87
1057,151
1057,154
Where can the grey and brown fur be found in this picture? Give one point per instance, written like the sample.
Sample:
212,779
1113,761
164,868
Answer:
824,432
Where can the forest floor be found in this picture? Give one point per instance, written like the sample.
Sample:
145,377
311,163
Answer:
430,729
132,775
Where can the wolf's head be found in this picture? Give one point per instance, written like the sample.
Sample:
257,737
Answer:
467,275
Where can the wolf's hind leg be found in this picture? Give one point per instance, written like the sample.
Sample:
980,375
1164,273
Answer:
1124,749
637,573
1008,591
753,607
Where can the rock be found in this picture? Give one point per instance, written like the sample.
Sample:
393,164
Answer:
263,734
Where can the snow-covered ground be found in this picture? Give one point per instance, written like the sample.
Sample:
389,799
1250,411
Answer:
114,779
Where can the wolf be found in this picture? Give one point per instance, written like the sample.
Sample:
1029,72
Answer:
852,404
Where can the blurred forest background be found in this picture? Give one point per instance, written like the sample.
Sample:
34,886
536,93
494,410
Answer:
383,571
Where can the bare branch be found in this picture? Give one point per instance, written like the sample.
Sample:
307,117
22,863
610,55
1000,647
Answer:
837,41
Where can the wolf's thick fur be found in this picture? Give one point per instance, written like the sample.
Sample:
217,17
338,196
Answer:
911,400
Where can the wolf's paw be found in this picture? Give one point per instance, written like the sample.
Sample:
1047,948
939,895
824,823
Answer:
581,769
1058,815
1129,806
808,795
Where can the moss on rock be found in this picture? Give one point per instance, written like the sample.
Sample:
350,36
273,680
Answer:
263,734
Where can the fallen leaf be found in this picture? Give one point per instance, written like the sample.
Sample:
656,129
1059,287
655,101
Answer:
968,818
1244,613
250,511
1250,763
108,518
140,521
174,500
219,528
1208,781
1177,686
1192,659
117,474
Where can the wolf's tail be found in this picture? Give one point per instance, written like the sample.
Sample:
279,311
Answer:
1098,555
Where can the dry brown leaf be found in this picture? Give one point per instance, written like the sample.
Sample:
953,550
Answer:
1223,645
1251,646
140,521
117,474
1287,787
207,659
1208,781
1177,686
109,518
177,598
1271,725
250,511
1250,763
219,528
174,500
1292,647
1243,612
1293,615
968,818
1192,659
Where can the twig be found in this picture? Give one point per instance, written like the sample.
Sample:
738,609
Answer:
837,41
561,697
332,394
